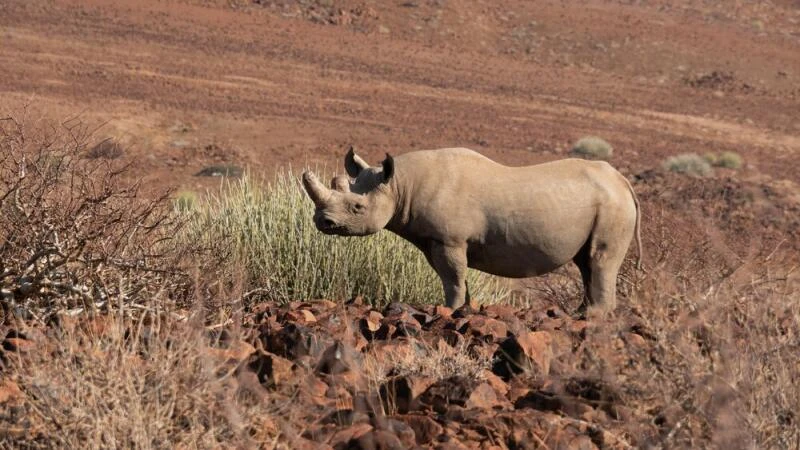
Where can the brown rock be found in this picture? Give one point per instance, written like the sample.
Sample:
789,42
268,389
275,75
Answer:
343,438
453,338
378,440
322,305
371,323
441,395
401,394
426,430
10,393
235,353
579,443
499,311
299,316
528,352
337,358
388,352
272,370
308,316
484,327
400,429
443,311
485,397
294,341
497,383
18,344
316,390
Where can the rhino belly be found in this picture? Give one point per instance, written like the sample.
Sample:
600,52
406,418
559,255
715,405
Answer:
516,261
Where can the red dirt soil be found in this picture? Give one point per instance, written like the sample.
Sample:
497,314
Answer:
264,84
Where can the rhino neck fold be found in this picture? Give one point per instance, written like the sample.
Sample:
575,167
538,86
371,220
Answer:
402,206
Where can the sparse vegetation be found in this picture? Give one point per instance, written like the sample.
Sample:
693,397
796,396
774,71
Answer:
727,160
441,362
107,342
592,147
73,233
121,381
689,164
273,239
185,201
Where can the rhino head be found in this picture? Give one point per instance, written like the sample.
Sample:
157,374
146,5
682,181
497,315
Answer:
358,208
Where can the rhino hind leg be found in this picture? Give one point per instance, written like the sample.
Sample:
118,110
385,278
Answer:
583,261
608,246
450,263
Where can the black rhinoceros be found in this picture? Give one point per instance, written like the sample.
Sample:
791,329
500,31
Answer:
462,210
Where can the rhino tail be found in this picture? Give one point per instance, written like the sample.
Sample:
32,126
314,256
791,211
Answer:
637,227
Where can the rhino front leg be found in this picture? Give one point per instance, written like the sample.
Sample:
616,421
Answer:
450,262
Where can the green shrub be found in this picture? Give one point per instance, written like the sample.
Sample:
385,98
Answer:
728,160
689,164
592,147
271,236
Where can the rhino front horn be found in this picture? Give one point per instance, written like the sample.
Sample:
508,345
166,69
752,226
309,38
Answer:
317,191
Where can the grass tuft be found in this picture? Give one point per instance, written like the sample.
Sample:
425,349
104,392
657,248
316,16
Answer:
727,160
689,164
592,147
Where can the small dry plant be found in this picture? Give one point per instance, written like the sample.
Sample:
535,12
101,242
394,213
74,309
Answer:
442,361
118,381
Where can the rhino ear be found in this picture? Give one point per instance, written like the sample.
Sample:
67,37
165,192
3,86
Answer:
353,164
388,168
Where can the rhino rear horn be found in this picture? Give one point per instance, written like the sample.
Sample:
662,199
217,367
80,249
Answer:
353,164
388,168
317,191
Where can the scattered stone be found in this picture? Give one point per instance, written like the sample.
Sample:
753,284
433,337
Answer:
220,171
401,393
10,393
272,370
441,395
343,438
426,430
336,359
528,352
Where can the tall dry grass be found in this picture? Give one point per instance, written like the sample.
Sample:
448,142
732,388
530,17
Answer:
269,233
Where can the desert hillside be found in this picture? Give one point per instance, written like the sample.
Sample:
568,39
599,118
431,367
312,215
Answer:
162,286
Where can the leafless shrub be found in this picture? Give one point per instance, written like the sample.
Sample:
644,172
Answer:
73,231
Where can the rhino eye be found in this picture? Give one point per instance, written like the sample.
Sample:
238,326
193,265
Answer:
358,208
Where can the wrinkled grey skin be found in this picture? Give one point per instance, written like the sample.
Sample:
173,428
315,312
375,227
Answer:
462,210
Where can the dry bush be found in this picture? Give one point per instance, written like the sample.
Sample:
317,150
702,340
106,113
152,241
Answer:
688,164
439,362
268,232
116,381
727,160
592,147
705,346
73,233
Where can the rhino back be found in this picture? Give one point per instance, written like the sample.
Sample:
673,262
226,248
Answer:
516,221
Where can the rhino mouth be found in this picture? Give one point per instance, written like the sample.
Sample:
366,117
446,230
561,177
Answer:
328,226
335,230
